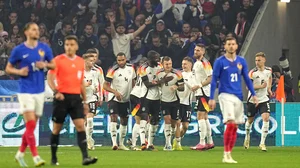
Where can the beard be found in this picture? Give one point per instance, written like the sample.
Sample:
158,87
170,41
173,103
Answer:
154,63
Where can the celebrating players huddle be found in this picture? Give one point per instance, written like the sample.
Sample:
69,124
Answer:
153,87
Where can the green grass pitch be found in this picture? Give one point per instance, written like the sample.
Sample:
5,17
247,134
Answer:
70,157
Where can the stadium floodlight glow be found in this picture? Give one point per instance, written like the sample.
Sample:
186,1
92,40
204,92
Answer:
286,1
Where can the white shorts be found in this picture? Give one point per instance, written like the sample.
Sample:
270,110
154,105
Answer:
32,102
232,108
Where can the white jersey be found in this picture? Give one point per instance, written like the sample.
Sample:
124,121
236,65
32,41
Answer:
91,77
101,81
202,70
148,73
121,43
136,91
186,96
167,94
121,81
259,77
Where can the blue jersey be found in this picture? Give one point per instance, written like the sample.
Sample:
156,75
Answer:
229,74
27,57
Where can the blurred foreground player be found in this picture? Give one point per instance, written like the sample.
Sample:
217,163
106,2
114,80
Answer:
32,57
229,70
261,76
69,98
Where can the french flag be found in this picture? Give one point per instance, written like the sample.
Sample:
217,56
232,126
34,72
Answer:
163,6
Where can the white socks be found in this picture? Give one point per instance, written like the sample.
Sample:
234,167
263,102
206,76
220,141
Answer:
248,128
168,135
135,133
208,135
202,131
151,135
89,128
122,134
173,131
113,133
264,132
143,125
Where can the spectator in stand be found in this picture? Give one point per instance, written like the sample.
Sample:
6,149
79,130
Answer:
227,15
43,30
157,46
89,18
171,18
192,14
249,10
59,38
161,31
120,40
127,12
4,12
87,40
34,18
137,50
106,53
176,51
212,45
14,32
186,32
208,7
148,9
45,39
12,20
242,27
138,22
73,19
49,15
104,23
196,38
25,12
222,37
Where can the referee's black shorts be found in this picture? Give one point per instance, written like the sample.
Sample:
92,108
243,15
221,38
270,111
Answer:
72,105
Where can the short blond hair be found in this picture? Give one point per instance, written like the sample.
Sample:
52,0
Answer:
260,54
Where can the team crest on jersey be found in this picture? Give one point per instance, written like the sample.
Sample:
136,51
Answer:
239,66
41,53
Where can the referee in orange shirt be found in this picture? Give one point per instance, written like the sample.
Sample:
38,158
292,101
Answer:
69,97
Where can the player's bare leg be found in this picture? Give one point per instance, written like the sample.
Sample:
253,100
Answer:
167,132
113,130
248,127
82,143
122,133
28,139
264,131
184,128
135,132
201,116
89,131
230,136
177,139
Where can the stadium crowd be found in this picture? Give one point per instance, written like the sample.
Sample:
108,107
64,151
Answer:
174,32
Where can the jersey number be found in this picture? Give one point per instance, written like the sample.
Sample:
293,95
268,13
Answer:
234,77
34,68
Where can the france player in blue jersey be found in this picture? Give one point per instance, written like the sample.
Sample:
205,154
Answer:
32,57
229,70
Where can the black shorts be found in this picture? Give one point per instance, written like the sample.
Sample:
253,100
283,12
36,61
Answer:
202,104
261,108
134,101
151,107
72,105
93,107
185,113
171,108
121,109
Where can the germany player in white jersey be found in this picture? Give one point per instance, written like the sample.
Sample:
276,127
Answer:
185,100
150,98
203,75
91,83
119,83
261,76
170,100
